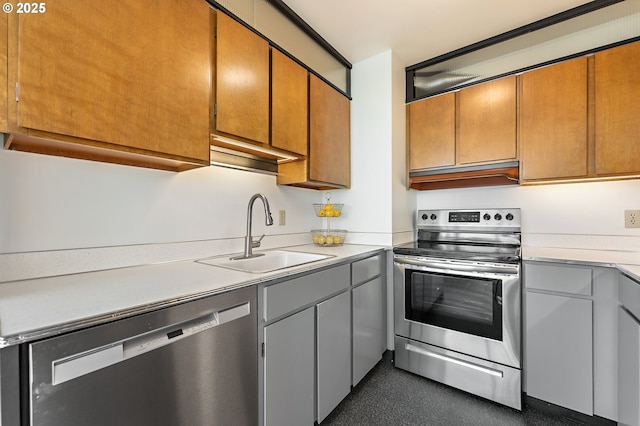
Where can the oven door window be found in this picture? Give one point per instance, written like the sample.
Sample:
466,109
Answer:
467,304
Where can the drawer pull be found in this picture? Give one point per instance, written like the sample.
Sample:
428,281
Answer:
491,371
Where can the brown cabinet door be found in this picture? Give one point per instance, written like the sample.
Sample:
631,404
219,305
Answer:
289,104
617,126
329,134
553,121
129,73
432,132
487,122
242,81
4,89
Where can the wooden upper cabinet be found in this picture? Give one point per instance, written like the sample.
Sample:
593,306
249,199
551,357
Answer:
328,161
553,121
431,132
329,135
487,122
242,81
122,75
3,74
289,104
617,100
476,125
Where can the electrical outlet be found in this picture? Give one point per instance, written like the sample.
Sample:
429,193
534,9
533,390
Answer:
632,218
281,217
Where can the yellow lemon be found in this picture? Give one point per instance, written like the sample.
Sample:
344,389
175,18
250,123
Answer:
330,240
328,207
322,239
322,213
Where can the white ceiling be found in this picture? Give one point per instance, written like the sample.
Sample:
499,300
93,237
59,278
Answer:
417,30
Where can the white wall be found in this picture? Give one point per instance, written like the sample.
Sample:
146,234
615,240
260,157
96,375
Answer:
367,212
52,203
61,215
573,215
377,195
404,202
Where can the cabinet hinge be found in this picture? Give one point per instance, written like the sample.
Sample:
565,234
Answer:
17,90
215,110
262,349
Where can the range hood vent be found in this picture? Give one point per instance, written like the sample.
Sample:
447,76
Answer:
264,151
241,155
223,157
466,177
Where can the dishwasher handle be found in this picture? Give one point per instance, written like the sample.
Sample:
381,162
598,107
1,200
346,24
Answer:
71,367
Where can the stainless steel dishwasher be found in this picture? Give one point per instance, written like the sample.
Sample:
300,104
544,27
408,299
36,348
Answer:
189,364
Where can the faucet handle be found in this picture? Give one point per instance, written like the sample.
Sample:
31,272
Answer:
256,243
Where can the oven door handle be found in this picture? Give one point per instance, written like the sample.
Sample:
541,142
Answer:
425,263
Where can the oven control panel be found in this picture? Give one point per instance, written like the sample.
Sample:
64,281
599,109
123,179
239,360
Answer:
464,217
470,219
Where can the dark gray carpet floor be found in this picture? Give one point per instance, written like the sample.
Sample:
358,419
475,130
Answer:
388,396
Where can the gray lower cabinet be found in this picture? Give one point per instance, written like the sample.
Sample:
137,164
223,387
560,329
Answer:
334,352
629,353
368,314
369,327
570,336
290,370
307,346
629,365
319,333
559,360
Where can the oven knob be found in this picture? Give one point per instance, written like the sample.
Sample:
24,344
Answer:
498,216
509,216
433,216
486,216
425,217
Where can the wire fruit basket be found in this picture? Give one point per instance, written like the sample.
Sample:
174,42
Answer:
328,210
328,237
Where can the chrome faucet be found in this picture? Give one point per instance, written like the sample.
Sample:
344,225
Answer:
249,243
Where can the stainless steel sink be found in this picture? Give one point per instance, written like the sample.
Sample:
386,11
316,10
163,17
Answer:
271,261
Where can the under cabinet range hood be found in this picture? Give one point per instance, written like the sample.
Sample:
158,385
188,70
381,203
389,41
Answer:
253,148
466,177
234,154
239,160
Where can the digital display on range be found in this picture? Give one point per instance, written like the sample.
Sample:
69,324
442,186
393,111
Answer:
459,217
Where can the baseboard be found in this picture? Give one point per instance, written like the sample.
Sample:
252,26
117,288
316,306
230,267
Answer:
559,411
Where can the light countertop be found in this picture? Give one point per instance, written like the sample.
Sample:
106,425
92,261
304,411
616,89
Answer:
31,309
627,262
37,308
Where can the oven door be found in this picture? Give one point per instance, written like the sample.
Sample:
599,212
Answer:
468,307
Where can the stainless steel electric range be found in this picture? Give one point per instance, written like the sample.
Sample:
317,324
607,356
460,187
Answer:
457,296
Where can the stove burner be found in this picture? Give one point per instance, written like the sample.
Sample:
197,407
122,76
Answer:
476,253
472,235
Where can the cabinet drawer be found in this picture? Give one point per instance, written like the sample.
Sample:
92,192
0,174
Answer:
566,279
629,295
365,269
288,296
